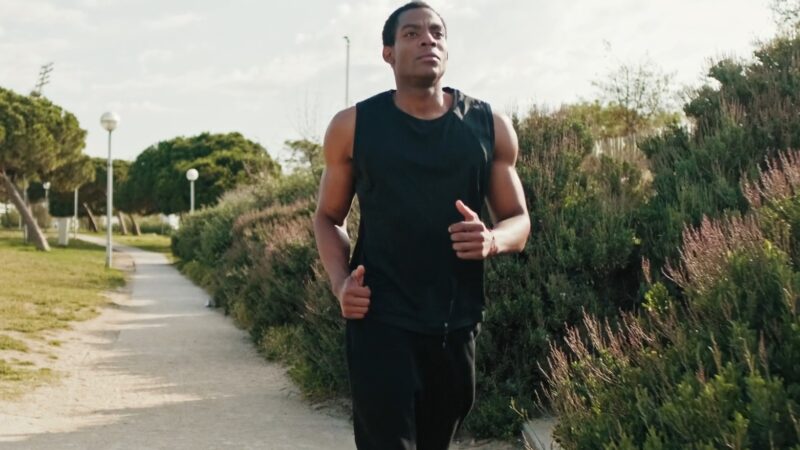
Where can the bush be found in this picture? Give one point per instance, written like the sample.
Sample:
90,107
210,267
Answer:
716,368
717,371
749,117
10,219
153,224
582,254
711,359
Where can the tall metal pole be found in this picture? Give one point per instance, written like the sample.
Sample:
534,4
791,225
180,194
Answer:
75,216
347,75
191,194
25,205
109,202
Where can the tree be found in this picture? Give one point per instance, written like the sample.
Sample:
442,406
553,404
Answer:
787,14
92,193
157,179
640,93
38,142
306,154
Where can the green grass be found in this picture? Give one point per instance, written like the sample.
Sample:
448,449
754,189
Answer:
45,291
16,377
9,343
147,241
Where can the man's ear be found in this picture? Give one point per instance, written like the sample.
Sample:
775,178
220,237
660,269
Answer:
388,55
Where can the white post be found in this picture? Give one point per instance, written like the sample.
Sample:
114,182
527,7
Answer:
46,186
75,216
347,75
109,201
24,205
109,121
191,175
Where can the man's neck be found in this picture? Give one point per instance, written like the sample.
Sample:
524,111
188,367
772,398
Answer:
423,102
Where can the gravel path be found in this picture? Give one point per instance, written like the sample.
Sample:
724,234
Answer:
157,369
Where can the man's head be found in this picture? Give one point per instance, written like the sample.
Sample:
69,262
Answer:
415,43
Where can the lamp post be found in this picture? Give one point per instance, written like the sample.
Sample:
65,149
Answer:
75,216
46,186
109,121
191,175
347,74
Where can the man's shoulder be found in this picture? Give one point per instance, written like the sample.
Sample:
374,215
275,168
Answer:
376,99
467,104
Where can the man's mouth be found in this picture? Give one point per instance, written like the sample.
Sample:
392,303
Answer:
428,57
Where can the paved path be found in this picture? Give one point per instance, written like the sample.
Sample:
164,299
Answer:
159,370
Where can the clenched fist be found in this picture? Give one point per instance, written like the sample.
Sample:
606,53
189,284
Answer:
471,238
354,296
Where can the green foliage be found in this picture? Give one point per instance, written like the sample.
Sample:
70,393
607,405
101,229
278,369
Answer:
157,181
611,120
716,370
638,95
38,142
93,191
750,116
307,155
582,254
37,138
711,359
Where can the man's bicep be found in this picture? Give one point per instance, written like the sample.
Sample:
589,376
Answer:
335,193
336,185
506,197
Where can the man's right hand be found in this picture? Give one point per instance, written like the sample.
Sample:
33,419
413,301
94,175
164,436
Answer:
354,296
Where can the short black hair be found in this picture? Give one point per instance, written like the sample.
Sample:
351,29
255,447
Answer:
390,27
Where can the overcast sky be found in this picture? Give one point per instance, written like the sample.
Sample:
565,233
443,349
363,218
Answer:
275,70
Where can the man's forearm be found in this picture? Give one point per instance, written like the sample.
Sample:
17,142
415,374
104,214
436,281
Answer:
333,245
511,234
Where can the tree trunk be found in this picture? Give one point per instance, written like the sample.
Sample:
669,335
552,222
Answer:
122,227
34,232
136,230
92,222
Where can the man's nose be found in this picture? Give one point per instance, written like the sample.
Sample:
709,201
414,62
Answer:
428,39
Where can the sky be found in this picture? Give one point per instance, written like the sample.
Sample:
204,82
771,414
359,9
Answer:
276,70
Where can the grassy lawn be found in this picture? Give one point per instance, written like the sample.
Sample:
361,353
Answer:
40,293
147,241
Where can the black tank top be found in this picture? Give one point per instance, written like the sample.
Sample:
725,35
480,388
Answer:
409,173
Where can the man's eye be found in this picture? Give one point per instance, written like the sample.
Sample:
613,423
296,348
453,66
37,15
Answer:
411,33
438,34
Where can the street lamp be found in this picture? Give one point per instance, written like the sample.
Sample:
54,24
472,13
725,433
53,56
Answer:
75,216
347,74
191,175
109,121
46,186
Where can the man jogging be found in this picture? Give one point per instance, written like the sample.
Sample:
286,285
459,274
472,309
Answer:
422,159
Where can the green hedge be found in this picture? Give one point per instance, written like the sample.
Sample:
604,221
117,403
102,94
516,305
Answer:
712,360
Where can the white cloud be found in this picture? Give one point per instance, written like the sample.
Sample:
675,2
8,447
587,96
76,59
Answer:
173,21
142,106
155,55
20,60
299,38
41,13
98,3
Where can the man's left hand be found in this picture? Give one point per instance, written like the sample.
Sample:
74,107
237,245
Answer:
471,238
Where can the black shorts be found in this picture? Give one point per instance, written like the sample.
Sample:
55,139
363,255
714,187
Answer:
409,390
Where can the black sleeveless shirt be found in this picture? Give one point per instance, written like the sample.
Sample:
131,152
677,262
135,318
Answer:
408,174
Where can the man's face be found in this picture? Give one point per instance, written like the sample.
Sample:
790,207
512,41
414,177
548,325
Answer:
420,47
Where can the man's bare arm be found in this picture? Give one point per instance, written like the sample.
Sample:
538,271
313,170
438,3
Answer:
472,239
506,197
330,228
